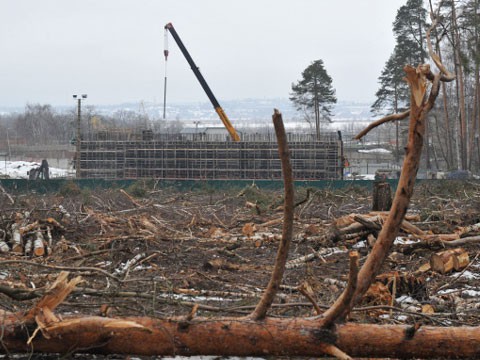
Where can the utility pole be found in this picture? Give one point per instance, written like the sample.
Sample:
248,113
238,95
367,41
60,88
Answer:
9,148
79,133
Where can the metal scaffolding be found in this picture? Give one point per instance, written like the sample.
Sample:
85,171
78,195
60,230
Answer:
118,155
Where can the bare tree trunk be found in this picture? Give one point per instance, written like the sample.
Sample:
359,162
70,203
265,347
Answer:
287,232
237,337
448,137
449,146
473,121
420,106
461,92
458,142
418,112
442,147
316,105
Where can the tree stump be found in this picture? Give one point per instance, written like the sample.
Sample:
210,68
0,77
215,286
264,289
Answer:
382,196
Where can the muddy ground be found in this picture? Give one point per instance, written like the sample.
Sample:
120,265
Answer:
150,251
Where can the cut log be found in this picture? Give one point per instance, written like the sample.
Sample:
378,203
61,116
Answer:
372,223
16,239
449,260
4,248
236,337
440,237
409,228
38,244
423,269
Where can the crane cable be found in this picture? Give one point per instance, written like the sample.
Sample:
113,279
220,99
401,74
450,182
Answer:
165,53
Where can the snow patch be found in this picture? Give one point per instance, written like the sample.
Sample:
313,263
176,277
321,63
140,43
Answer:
405,299
359,245
404,241
470,275
471,293
375,151
20,169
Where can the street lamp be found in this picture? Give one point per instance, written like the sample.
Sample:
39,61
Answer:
79,99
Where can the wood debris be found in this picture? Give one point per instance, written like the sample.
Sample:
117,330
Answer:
449,260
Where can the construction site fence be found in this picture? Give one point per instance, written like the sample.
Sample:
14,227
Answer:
64,186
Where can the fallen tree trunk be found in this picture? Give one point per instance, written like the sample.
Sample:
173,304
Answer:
238,337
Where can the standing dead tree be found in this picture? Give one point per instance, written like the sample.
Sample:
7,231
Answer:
40,330
421,102
277,274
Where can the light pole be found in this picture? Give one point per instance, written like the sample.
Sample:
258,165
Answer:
9,149
79,128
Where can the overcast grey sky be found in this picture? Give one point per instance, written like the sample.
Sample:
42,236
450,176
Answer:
113,49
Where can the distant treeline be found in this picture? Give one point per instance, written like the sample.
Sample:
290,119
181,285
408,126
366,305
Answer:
43,125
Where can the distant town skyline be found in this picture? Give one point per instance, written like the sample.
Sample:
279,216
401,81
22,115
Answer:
113,50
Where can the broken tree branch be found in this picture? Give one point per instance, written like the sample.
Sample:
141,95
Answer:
64,268
388,118
287,231
344,304
303,290
55,294
10,198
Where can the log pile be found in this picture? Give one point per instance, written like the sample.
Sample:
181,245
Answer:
30,237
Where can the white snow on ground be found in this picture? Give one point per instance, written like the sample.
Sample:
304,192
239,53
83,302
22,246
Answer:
472,293
360,177
470,275
19,170
375,151
401,240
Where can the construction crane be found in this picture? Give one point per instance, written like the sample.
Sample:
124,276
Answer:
226,122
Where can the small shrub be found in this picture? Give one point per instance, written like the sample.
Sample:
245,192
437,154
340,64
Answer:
70,188
86,196
137,189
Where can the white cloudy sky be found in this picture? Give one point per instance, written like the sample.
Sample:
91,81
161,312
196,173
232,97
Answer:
113,49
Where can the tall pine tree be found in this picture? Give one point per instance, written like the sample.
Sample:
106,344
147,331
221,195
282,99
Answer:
314,92
409,29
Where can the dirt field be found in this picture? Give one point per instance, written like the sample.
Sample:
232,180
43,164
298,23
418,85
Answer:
157,252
